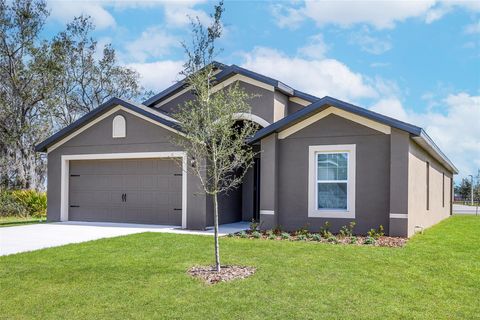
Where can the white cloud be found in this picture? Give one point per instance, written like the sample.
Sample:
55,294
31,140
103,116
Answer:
316,47
152,43
369,43
456,131
178,13
65,11
391,107
158,75
473,28
379,14
318,77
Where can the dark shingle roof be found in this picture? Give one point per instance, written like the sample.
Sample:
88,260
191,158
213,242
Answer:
113,102
227,72
418,133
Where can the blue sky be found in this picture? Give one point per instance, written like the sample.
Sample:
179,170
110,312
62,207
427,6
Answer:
418,61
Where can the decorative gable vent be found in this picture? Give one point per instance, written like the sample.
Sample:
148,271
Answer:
119,125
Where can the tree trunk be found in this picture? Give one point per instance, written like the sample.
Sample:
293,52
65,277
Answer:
215,223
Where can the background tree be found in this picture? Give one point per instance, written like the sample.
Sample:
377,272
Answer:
26,70
47,84
87,81
213,138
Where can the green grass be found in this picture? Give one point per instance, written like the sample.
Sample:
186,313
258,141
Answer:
15,221
143,276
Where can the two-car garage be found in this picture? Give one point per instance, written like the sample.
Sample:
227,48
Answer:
145,191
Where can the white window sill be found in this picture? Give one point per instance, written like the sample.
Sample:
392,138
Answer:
340,214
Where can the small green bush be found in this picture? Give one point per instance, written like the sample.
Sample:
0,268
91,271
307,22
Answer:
347,231
302,231
332,239
375,234
243,234
301,237
256,234
272,236
316,237
255,225
9,206
35,202
369,240
285,235
353,240
325,230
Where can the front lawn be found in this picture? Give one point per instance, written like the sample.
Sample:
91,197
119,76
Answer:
143,276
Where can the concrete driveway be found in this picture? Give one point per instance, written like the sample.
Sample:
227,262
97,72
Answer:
38,236
462,209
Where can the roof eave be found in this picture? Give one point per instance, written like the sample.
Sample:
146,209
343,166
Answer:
429,145
44,145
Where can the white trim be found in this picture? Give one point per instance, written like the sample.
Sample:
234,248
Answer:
339,112
221,85
119,127
313,210
251,117
103,116
398,216
65,167
300,101
268,212
240,77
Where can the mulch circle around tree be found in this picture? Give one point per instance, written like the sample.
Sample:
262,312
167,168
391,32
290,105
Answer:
209,275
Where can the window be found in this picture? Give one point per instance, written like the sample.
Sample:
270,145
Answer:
119,126
428,185
332,181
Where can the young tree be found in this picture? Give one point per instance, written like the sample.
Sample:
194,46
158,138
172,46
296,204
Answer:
214,139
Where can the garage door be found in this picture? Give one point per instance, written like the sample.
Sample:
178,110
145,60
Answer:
131,190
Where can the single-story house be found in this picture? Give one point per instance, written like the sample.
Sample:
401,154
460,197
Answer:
320,159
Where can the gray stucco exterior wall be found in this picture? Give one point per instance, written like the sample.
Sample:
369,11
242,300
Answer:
142,136
372,174
269,178
261,102
399,145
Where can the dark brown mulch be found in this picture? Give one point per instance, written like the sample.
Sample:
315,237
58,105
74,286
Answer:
227,273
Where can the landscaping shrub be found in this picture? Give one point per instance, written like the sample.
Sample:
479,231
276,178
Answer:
316,237
9,206
256,234
23,203
243,234
347,231
302,231
375,234
325,230
301,237
34,202
285,235
369,240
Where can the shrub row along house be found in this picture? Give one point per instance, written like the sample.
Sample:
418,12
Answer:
319,159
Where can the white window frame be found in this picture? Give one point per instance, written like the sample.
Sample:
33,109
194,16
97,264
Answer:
313,211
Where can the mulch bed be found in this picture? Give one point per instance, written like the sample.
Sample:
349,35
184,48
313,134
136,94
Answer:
383,241
227,273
